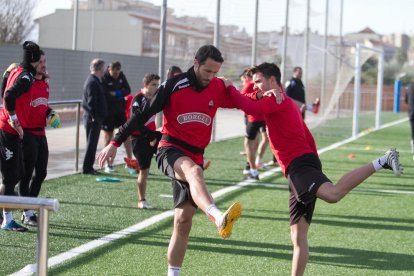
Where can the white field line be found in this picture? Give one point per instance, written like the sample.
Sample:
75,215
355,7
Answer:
74,252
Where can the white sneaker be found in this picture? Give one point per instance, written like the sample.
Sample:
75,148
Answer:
142,204
393,162
109,169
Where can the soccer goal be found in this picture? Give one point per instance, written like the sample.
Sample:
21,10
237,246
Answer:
351,106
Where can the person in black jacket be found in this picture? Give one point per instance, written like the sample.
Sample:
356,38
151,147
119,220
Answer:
95,110
409,99
116,87
296,90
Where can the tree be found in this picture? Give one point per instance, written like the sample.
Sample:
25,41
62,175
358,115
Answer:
15,20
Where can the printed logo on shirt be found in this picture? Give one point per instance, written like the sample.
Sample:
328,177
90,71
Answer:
7,154
311,186
39,101
194,117
210,104
183,86
26,77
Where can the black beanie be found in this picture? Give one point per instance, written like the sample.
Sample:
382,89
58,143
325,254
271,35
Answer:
31,52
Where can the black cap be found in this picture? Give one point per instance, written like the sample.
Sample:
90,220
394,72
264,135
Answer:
31,52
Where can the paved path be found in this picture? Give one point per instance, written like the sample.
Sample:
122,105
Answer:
229,124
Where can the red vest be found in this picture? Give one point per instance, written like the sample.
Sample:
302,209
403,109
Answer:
31,107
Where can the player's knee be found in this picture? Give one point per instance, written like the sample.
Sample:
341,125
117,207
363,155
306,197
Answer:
196,170
183,226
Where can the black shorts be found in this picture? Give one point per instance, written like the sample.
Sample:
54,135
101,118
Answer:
305,176
143,151
114,120
166,157
252,128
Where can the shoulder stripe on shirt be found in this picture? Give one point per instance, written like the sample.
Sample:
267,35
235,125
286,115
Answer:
181,84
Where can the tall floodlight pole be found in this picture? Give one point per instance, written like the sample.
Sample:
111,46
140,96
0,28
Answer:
254,41
340,52
217,26
324,56
92,36
75,25
285,34
216,44
161,60
306,48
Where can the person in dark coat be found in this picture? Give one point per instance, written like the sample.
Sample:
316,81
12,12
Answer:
95,110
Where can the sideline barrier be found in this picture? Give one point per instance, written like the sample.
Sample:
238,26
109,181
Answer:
44,205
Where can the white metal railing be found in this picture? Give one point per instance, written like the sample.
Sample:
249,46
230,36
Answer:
44,205
78,109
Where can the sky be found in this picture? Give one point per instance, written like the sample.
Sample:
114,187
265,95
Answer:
383,16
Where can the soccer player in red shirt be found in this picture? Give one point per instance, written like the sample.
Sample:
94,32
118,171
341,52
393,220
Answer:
294,147
189,102
14,117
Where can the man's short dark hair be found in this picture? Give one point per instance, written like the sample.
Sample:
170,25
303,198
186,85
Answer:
297,68
115,65
172,71
208,51
246,72
150,77
268,70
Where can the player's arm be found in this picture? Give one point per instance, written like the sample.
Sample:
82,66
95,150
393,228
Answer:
92,92
126,89
21,85
140,116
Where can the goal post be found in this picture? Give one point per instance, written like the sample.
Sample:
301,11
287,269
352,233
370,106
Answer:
357,87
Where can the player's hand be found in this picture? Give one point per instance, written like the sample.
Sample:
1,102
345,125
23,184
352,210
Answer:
54,119
15,124
153,143
108,153
227,82
277,92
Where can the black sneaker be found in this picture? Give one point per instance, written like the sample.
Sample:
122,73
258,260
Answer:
31,221
393,162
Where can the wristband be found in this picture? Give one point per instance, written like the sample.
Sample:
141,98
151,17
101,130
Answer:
13,117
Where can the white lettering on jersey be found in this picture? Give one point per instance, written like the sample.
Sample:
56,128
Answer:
38,102
194,117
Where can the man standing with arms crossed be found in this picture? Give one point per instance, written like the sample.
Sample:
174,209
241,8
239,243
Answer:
294,147
189,102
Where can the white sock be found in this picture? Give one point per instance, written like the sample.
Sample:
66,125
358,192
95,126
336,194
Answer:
174,271
258,160
28,213
7,217
378,163
214,214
